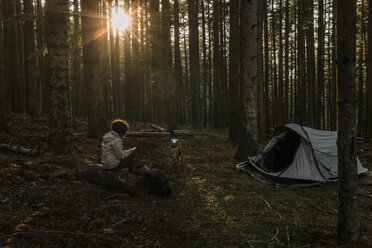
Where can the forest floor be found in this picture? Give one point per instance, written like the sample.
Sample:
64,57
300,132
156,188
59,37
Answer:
43,204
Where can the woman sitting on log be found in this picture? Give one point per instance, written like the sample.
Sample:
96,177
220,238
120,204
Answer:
114,157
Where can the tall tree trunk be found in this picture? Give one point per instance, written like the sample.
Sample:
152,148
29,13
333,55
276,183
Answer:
42,64
320,70
94,87
301,87
348,215
12,67
368,111
217,115
168,79
138,79
128,88
20,100
56,18
360,79
266,67
286,64
78,94
194,63
274,87
248,136
334,109
260,85
3,125
177,62
205,68
310,56
32,87
280,107
234,80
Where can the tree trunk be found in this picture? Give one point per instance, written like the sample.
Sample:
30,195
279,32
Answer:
128,88
94,87
266,66
248,136
32,87
310,57
12,66
360,79
168,79
368,112
260,85
280,106
274,87
177,62
348,215
286,64
234,81
320,70
217,114
194,63
334,109
20,100
3,125
56,18
42,64
205,68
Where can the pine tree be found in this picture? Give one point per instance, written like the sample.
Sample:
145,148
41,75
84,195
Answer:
60,137
348,216
248,135
97,119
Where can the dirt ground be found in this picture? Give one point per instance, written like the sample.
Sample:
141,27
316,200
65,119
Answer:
43,204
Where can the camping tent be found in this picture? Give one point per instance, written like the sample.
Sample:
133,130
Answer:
297,154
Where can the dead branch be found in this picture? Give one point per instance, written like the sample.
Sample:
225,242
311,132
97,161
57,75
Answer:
267,204
19,149
157,128
49,232
159,134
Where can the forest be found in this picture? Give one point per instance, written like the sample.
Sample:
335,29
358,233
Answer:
204,86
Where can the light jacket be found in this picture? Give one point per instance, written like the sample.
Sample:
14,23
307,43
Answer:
112,150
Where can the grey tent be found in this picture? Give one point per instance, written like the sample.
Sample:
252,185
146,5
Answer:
297,154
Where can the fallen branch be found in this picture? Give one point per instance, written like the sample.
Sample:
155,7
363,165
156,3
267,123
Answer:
177,133
267,204
157,128
49,232
19,149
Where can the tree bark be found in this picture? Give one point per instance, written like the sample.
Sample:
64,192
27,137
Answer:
280,106
348,215
3,125
32,87
234,81
194,63
286,64
94,87
368,112
177,61
56,18
320,70
128,89
217,108
260,85
248,136
360,78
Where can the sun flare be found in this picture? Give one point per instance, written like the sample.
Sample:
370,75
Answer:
119,19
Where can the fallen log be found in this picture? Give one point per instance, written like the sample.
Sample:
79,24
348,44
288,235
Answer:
177,133
19,149
157,128
133,185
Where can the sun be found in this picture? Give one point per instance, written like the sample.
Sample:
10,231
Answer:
119,19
